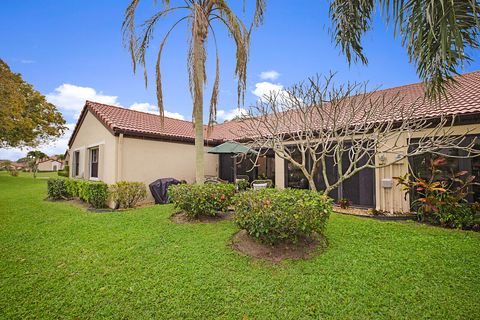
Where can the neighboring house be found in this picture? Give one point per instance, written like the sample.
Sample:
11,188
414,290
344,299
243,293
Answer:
115,144
20,166
52,163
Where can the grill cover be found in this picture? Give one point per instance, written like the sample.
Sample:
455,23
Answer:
159,189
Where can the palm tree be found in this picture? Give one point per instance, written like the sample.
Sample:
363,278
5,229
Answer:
438,34
200,14
33,158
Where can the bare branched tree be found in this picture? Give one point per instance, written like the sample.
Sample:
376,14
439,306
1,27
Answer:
317,123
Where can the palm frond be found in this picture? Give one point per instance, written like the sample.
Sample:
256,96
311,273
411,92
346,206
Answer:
128,27
158,73
351,19
438,34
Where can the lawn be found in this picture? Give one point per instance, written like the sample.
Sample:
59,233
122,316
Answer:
58,261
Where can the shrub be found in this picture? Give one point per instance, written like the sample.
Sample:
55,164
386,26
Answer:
95,193
442,199
64,172
344,203
207,199
56,189
128,194
72,187
273,216
13,172
459,215
242,184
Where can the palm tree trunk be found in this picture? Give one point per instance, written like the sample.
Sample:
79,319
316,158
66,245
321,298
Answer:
198,75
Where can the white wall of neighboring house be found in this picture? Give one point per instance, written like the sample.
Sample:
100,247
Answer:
50,165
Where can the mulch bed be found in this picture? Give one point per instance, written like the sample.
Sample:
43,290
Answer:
364,213
304,249
182,218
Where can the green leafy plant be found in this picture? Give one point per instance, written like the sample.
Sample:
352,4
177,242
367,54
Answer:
127,194
72,187
242,184
460,215
197,200
344,203
56,189
441,198
64,172
92,192
95,193
274,216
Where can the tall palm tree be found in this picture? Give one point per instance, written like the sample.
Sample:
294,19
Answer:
200,14
438,34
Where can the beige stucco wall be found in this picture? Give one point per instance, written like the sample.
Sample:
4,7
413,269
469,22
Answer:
393,199
135,159
149,160
387,199
49,165
93,134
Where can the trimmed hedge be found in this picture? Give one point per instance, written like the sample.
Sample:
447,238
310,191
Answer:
65,172
56,189
127,194
92,192
95,193
276,216
72,186
196,200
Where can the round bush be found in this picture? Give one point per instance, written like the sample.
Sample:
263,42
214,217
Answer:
127,194
207,199
56,189
274,216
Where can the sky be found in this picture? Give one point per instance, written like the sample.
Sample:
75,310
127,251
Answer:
72,51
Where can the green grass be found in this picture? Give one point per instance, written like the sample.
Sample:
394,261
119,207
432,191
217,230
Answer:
57,261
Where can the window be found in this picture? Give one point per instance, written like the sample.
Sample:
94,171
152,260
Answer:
76,163
94,163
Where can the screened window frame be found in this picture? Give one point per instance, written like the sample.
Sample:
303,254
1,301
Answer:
93,159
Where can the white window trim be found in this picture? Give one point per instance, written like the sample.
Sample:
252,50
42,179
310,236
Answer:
73,162
89,149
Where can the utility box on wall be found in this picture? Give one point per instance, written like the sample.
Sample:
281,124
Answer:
387,183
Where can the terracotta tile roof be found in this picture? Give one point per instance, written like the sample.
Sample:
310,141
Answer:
464,98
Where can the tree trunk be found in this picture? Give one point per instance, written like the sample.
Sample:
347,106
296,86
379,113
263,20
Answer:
198,70
311,183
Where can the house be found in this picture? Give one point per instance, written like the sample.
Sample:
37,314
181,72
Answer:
19,166
114,144
52,163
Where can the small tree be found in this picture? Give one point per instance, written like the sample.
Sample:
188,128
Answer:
34,158
347,126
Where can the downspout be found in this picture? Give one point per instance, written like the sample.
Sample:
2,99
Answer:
118,176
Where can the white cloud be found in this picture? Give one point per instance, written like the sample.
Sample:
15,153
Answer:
263,89
59,146
223,115
271,75
150,108
70,98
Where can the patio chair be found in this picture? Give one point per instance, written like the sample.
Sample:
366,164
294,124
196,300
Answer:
262,184
243,177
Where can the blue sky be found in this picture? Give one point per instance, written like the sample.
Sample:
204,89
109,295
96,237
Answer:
72,51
